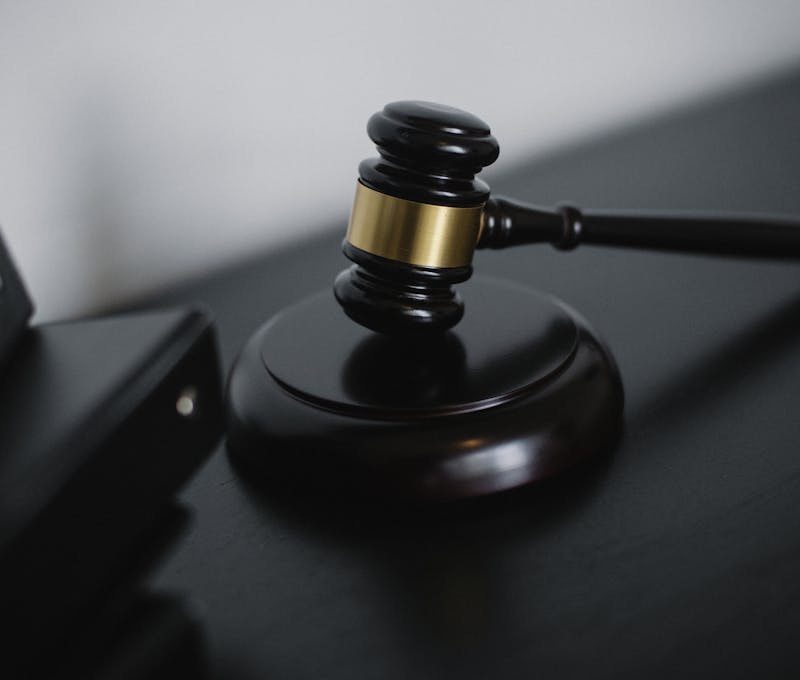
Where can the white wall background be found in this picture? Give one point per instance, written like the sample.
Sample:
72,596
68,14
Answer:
141,142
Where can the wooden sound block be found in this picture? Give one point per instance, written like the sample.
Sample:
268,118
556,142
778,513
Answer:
521,389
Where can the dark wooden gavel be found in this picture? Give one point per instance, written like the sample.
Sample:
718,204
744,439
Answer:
420,213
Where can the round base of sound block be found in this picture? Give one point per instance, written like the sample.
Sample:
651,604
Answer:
521,389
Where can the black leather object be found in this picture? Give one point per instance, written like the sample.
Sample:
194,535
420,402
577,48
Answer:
92,451
15,306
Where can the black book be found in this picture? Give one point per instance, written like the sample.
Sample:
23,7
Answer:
101,421
15,305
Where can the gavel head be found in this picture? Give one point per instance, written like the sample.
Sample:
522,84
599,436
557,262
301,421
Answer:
416,218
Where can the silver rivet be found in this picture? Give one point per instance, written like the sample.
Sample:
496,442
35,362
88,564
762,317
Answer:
187,401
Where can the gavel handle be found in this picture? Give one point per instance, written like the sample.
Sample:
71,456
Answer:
509,223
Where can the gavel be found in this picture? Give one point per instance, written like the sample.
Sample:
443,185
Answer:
420,213
439,404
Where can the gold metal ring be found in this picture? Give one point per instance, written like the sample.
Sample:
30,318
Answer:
416,233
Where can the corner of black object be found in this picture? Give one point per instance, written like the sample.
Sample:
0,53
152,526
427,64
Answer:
521,390
104,458
15,305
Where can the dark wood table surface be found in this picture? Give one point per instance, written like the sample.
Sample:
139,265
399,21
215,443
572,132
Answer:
677,556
